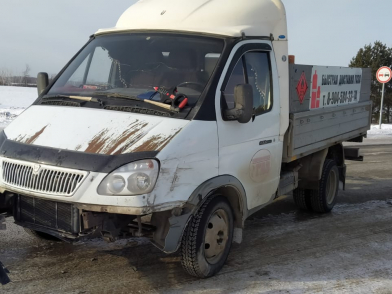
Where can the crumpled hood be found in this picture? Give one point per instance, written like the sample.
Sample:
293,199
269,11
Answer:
93,130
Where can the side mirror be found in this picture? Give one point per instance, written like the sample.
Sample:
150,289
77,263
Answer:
42,82
243,110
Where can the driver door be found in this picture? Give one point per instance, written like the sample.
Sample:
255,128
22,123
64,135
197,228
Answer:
251,152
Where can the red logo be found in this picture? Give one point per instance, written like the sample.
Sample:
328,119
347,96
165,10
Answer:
316,93
302,87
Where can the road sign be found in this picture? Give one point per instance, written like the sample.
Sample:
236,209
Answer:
384,74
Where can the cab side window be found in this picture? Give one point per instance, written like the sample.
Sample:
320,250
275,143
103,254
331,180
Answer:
253,68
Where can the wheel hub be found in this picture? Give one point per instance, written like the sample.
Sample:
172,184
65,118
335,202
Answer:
217,234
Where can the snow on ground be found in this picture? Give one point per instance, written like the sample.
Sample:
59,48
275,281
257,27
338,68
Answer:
13,101
376,133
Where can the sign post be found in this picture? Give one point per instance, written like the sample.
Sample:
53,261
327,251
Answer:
384,75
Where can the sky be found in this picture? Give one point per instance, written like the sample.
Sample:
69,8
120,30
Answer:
45,34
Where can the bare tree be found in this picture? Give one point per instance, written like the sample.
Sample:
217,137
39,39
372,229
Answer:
26,71
2,77
26,74
5,77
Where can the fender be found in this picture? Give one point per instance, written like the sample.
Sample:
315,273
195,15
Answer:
236,196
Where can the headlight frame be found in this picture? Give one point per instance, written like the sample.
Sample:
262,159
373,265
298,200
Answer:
132,179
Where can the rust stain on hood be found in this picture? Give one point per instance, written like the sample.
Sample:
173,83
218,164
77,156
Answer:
31,139
93,131
155,143
105,143
127,138
97,143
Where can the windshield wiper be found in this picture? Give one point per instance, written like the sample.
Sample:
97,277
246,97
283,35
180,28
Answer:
88,99
160,104
116,95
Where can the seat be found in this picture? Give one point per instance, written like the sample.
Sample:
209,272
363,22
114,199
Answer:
148,70
182,67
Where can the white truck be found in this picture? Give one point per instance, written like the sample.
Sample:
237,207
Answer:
177,125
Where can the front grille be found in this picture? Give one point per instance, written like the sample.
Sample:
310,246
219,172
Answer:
42,179
50,214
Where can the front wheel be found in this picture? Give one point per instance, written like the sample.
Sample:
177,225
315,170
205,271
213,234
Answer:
207,239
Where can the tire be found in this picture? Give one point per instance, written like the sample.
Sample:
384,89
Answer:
40,235
324,199
302,199
200,256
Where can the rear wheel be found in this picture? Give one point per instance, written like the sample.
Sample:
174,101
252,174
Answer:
324,199
40,235
207,239
302,199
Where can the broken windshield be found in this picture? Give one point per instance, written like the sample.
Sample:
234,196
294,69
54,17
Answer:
158,67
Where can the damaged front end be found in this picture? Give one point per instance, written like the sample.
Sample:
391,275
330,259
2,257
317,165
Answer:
67,222
70,223
164,229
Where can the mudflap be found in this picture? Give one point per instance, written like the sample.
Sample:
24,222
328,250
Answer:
342,177
177,227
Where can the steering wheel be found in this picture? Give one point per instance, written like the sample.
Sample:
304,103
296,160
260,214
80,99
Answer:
200,86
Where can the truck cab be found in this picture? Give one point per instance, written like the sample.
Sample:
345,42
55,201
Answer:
173,126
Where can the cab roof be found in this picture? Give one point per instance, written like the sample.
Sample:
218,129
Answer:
256,18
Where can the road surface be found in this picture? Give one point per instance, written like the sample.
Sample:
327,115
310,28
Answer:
284,251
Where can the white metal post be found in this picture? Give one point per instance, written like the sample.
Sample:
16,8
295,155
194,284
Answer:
382,103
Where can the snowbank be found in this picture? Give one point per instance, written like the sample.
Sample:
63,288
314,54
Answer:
13,101
376,133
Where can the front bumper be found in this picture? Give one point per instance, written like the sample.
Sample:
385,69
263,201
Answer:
67,222
84,212
61,185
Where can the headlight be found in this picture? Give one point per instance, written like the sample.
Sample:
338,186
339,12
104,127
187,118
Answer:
135,178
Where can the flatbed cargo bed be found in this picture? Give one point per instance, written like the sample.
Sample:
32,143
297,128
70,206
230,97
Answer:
317,123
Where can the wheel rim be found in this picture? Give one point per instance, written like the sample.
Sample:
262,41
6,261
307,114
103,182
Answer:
331,187
217,234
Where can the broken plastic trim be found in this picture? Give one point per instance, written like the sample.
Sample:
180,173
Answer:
66,237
